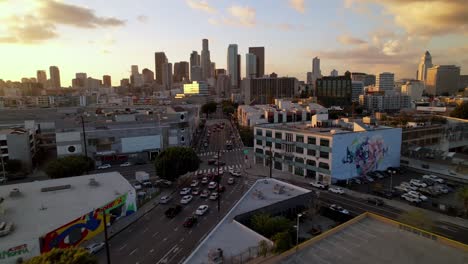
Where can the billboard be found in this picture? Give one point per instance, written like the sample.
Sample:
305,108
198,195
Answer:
9,254
88,225
356,154
139,144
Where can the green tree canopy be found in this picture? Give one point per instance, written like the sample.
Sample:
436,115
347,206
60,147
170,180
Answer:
209,108
247,136
13,165
69,166
417,218
64,256
283,241
462,195
268,226
461,111
176,161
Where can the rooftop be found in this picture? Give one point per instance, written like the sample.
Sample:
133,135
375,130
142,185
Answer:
232,236
34,211
373,239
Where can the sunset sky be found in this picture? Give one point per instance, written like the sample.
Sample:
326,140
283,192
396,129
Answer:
106,37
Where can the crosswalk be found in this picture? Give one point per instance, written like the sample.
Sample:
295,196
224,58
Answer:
212,153
224,168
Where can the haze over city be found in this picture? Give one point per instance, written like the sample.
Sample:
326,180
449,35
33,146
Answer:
101,38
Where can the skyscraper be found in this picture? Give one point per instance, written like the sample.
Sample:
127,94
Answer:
443,80
259,53
106,81
135,69
309,78
181,71
167,76
196,72
205,60
426,63
385,82
250,65
194,61
159,59
148,76
80,81
239,76
233,64
42,78
316,72
54,77
213,69
334,73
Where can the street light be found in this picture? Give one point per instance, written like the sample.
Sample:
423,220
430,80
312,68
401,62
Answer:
297,230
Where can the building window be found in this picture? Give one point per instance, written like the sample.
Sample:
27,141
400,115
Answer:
289,137
268,144
259,132
311,152
324,142
311,140
259,142
299,150
278,135
324,166
299,171
311,163
310,174
182,139
268,133
324,154
259,151
299,138
278,165
277,145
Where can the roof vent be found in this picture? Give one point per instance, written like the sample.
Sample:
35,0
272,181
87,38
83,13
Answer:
15,192
93,182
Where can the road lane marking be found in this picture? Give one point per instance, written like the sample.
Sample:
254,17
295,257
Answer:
182,239
176,251
190,232
182,260
146,229
122,247
151,251
165,239
131,253
175,229
155,234
164,258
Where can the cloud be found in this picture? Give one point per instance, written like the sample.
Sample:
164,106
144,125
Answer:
27,29
201,5
241,15
297,5
350,40
142,18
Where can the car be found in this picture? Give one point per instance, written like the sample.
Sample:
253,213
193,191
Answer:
95,247
194,183
185,191
147,184
137,186
190,221
165,199
433,178
429,182
235,173
336,190
219,163
375,201
231,181
206,145
195,191
418,183
205,194
3,180
317,185
125,164
356,180
211,161
221,188
408,186
202,209
212,185
410,198
368,179
173,211
204,180
186,199
384,193
417,195
104,166
338,208
451,172
216,156
213,196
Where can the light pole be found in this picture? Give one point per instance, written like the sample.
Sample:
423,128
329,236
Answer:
297,230
3,165
391,178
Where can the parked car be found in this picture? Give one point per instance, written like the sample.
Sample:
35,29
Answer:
211,161
205,194
409,186
165,199
384,194
204,180
336,190
231,181
173,211
202,209
417,195
214,196
126,164
317,185
195,191
338,208
194,183
356,180
212,185
433,178
417,183
186,199
104,166
95,247
147,184
190,221
137,186
375,201
185,191
410,198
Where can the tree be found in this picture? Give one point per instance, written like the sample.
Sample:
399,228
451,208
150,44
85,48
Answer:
13,166
283,241
176,161
74,255
209,108
461,111
268,226
247,136
69,166
262,248
417,218
462,195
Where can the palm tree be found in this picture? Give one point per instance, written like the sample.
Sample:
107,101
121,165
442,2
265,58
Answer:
462,195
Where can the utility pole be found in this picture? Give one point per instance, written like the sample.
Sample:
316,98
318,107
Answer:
84,136
271,162
106,240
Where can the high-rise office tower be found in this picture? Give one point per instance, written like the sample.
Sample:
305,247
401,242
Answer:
309,78
259,53
316,72
106,81
42,78
80,81
124,82
54,77
205,60
213,69
148,76
167,76
159,59
194,61
196,73
135,70
426,63
220,71
233,64
334,73
443,80
250,65
239,70
385,82
181,71
223,85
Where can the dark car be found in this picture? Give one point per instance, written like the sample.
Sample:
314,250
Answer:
173,211
384,194
190,221
375,201
220,163
211,161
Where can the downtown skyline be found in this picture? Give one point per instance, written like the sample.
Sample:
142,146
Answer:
346,35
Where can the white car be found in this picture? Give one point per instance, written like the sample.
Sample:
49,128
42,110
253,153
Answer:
212,185
410,198
317,185
185,191
201,209
165,199
434,178
204,180
104,166
125,164
137,186
214,196
336,190
3,180
338,208
418,183
186,199
194,183
205,194
408,186
235,173
231,181
416,194
95,247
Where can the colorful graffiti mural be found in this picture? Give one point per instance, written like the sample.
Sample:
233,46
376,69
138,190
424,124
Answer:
365,153
88,225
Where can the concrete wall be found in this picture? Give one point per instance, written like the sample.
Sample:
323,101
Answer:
19,148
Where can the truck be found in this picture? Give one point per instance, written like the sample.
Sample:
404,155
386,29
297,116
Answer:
141,176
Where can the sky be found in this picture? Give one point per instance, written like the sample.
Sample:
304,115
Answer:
102,37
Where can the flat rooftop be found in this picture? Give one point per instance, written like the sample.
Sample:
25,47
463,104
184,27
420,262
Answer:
370,240
232,236
34,213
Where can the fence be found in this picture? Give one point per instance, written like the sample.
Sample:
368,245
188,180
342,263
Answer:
247,255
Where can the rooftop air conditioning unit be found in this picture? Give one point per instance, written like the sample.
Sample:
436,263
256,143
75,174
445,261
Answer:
93,182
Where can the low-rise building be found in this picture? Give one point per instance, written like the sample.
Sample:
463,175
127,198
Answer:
413,89
266,89
387,102
19,143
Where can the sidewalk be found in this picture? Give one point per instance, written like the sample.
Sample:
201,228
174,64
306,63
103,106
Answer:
260,171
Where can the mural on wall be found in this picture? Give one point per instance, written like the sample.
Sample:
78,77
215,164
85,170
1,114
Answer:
89,225
366,153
